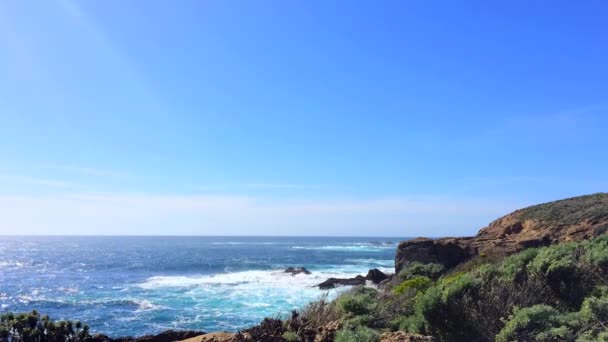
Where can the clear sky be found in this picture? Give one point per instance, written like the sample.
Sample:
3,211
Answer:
393,118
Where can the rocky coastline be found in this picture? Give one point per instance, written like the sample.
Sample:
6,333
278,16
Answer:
422,263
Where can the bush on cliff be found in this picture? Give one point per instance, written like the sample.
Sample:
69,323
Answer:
413,285
555,293
358,301
26,327
536,291
357,334
414,269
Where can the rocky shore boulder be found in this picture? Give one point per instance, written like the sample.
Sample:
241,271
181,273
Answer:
214,337
165,336
374,275
296,270
573,219
448,252
334,282
401,336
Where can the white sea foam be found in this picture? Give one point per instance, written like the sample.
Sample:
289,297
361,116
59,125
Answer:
252,243
12,264
347,248
249,278
146,305
249,294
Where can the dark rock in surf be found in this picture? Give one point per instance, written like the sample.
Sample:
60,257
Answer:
376,276
296,270
333,282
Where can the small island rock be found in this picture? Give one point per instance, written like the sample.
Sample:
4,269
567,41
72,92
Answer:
296,270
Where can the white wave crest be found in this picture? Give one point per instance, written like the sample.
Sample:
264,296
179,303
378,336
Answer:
276,279
347,248
252,243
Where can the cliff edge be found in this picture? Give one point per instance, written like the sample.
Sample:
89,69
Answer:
572,219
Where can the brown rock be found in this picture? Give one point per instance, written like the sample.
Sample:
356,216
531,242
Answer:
214,337
401,336
328,332
572,219
447,251
165,336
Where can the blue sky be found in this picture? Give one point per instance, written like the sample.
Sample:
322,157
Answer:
395,118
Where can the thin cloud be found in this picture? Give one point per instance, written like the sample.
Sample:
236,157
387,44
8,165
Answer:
280,186
259,186
87,171
37,181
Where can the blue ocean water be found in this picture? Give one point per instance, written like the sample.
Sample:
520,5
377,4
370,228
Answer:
139,285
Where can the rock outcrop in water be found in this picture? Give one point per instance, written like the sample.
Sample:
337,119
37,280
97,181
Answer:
374,275
296,270
573,219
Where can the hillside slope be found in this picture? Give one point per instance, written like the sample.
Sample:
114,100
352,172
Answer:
573,219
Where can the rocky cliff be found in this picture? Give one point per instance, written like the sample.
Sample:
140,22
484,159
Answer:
572,219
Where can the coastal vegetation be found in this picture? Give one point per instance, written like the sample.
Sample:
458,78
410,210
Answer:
555,293
40,328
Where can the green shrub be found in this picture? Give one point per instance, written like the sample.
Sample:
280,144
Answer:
415,324
359,301
536,323
317,313
358,334
430,270
596,252
591,319
389,306
514,267
413,285
34,327
439,310
367,320
290,336
554,260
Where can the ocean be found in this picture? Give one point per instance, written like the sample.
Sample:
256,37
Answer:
130,286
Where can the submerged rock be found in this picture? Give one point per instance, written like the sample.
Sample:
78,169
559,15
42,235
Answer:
296,270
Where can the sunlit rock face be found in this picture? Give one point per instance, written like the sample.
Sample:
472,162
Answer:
573,219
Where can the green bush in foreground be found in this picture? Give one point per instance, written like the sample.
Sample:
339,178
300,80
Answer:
413,285
430,270
358,334
290,336
535,323
26,327
359,301
553,293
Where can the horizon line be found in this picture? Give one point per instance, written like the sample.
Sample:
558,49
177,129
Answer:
227,236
